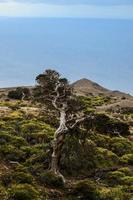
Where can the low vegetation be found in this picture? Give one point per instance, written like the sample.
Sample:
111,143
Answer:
96,158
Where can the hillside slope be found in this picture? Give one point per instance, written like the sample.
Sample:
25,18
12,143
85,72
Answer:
97,164
88,87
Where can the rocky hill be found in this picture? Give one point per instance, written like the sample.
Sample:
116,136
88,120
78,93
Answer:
88,87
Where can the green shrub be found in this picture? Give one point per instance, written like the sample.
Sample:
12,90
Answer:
22,177
13,116
121,146
105,158
126,171
6,178
112,193
127,180
3,193
127,159
119,178
5,137
101,140
86,189
22,192
11,153
115,177
38,158
103,124
18,141
18,93
77,157
37,138
50,179
31,127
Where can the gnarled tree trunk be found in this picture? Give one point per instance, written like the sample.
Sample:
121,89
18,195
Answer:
58,142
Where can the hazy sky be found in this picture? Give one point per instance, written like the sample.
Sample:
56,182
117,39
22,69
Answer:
116,9
79,38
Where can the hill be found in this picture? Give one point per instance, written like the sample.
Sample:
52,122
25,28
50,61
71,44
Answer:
87,87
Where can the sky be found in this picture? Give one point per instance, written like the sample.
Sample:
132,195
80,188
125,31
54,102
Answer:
114,9
80,38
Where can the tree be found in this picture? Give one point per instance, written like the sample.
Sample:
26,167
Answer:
56,94
19,94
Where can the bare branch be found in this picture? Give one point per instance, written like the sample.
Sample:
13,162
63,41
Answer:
78,121
54,102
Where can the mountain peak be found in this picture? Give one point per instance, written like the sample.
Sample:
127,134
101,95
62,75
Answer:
85,86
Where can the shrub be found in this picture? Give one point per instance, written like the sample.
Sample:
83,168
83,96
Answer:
6,179
50,179
86,189
37,138
77,157
103,124
18,93
31,127
9,152
22,177
18,141
5,137
126,171
127,159
105,158
3,193
15,115
101,140
119,178
121,146
114,178
39,158
112,193
127,180
22,192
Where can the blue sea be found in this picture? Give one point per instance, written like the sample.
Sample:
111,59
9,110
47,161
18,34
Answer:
100,50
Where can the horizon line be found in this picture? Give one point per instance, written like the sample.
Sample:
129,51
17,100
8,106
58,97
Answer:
30,10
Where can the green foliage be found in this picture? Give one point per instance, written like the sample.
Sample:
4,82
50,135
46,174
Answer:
50,179
9,152
41,156
86,189
103,124
78,156
14,116
19,93
112,193
101,140
105,158
37,131
3,193
31,127
23,192
22,177
114,178
48,84
121,146
94,101
127,159
119,178
126,171
127,180
94,152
